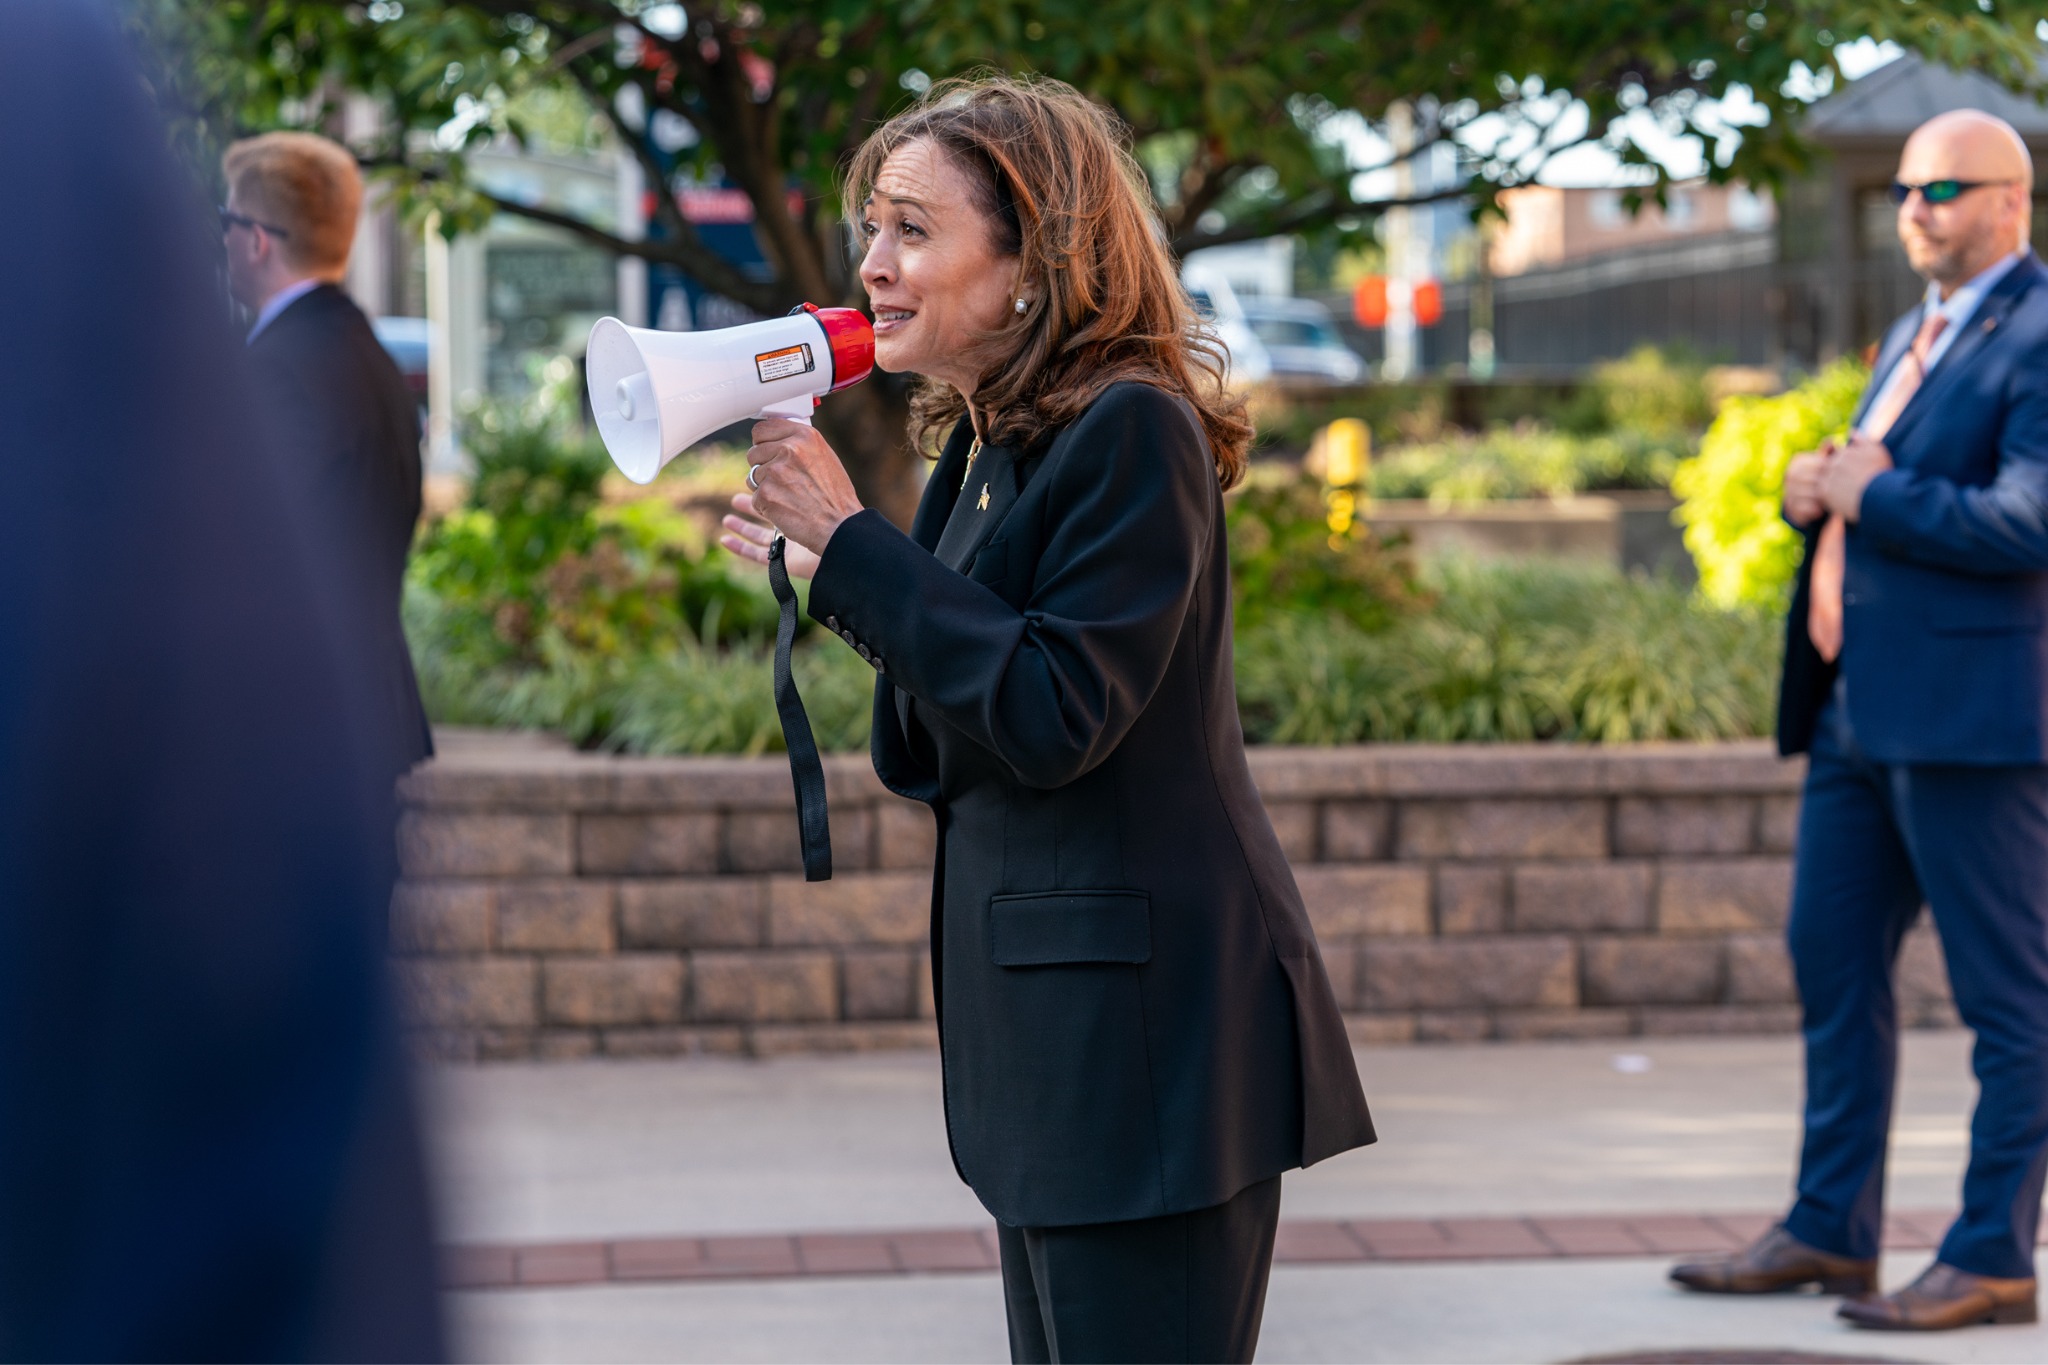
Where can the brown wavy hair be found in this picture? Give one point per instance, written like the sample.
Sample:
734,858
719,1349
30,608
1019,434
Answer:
1062,192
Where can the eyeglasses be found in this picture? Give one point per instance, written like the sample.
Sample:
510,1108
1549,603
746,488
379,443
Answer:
1939,191
229,221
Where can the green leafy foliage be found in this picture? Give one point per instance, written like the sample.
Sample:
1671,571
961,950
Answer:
1286,561
1732,490
1523,461
1531,651
1659,392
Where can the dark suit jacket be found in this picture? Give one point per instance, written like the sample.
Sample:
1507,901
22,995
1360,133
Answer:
1133,1013
207,1146
348,431
1945,602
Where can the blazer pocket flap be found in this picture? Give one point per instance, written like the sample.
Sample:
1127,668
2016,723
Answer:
1042,928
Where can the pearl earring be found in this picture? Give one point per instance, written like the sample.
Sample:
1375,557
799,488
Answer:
1021,305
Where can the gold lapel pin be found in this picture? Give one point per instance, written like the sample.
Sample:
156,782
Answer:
982,506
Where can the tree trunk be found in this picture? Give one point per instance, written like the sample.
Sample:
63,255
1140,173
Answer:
868,425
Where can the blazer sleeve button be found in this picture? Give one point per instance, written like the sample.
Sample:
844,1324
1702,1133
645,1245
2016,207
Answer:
847,636
832,623
877,662
862,650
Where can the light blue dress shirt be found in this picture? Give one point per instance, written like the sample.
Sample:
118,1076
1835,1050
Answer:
1957,308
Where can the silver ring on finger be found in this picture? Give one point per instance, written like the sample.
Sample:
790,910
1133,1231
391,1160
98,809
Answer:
752,483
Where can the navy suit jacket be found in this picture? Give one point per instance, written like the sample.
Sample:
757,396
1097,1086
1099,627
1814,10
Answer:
207,1142
1134,1018
1945,600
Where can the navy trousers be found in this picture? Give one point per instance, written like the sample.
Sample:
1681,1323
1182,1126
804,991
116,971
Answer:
1875,841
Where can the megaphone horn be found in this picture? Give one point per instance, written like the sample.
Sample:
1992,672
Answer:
657,393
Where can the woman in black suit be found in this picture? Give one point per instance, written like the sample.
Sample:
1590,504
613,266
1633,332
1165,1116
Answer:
1137,1032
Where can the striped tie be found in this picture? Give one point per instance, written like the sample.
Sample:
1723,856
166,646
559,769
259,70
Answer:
1831,555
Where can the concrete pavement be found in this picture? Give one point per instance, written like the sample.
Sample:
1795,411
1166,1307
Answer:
600,1150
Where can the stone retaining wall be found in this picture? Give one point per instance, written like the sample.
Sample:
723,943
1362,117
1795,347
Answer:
560,904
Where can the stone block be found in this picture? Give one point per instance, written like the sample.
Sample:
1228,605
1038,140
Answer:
695,912
1922,972
1777,824
505,1044
1723,895
1568,827
648,844
1528,1026
432,918
556,917
672,1041
452,993
877,984
474,843
764,841
1760,971
776,1040
875,907
1357,831
1378,1030
1468,973
1582,896
1452,1026
1471,899
564,1044
1340,963
1294,825
764,987
1684,824
906,835
1713,1020
1652,971
629,988
921,979
1350,902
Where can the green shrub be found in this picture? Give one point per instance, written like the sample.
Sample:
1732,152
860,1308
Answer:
1659,392
1286,561
1525,461
1731,491
1529,651
702,701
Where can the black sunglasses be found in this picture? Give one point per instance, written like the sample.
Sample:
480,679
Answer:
1939,191
229,221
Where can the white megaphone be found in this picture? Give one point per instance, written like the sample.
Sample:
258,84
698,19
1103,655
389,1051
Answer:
655,393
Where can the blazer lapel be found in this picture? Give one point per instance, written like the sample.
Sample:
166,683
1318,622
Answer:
1977,332
981,506
941,488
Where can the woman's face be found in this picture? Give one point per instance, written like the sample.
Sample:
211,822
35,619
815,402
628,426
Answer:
936,283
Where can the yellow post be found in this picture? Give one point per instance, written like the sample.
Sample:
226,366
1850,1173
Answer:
1347,459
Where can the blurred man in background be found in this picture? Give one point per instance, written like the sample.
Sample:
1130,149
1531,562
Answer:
1916,678
343,423
207,1141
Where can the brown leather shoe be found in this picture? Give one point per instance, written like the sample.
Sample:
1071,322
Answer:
1945,1297
1778,1261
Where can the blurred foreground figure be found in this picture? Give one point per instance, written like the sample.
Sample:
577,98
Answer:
207,1148
1916,678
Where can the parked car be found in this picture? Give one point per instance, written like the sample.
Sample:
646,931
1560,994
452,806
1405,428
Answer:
1217,305
405,341
1301,342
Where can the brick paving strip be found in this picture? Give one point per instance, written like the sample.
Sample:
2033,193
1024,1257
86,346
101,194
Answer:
664,1260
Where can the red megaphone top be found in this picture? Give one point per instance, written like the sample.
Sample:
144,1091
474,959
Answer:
853,343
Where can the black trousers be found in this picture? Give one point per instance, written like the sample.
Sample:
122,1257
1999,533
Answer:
1186,1287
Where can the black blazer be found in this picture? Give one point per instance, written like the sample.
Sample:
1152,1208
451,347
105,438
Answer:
1945,596
1133,1015
349,432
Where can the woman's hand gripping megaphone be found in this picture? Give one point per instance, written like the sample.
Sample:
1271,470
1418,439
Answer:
797,487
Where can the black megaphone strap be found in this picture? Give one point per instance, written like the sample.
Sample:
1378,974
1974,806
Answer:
806,769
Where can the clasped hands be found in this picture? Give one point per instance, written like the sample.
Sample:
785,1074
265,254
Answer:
799,487
1832,479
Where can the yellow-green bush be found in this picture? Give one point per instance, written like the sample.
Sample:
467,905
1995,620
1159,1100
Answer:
1730,492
